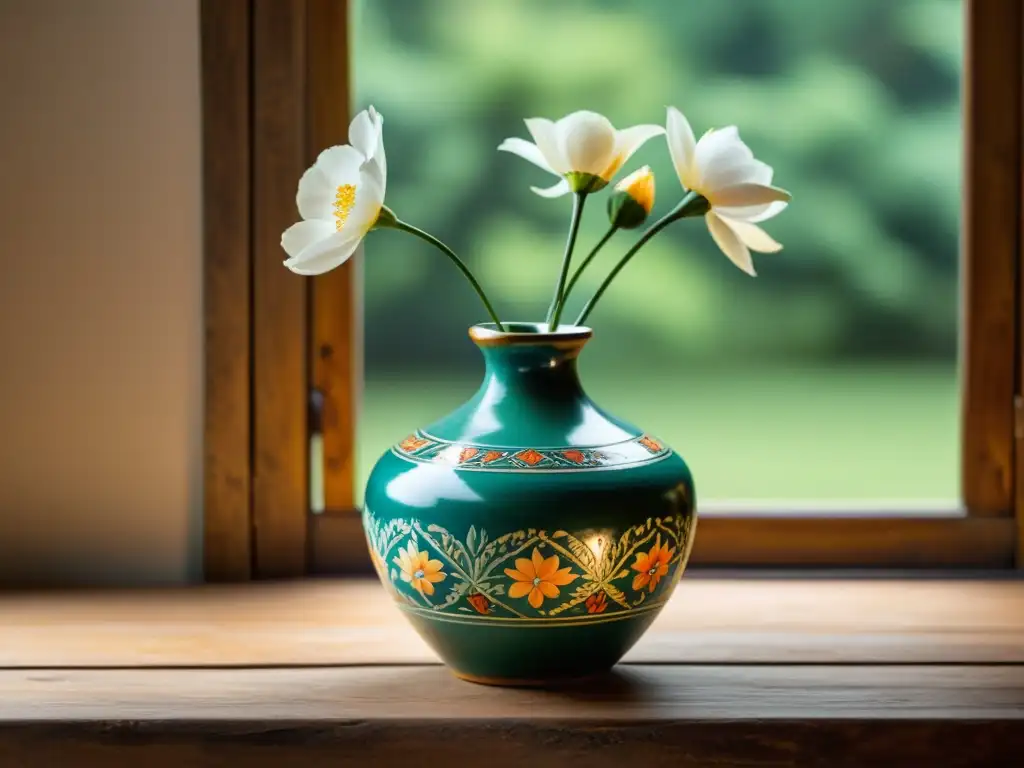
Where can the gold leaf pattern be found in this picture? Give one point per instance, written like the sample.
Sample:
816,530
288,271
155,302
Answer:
529,574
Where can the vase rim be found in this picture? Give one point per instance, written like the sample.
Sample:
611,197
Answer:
528,334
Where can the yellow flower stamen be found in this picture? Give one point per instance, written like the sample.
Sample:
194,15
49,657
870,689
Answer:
344,202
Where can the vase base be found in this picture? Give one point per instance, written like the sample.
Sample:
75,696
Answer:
515,682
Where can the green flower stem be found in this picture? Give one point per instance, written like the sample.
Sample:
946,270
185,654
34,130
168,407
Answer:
586,262
680,211
555,310
399,224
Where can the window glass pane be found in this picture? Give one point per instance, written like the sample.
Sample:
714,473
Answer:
833,374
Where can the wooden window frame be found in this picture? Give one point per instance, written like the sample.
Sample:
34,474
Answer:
275,91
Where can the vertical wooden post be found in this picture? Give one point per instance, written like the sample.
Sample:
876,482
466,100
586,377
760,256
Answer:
336,539
992,109
280,443
226,263
335,323
1019,403
275,90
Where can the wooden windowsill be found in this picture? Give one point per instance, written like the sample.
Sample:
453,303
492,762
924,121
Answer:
744,671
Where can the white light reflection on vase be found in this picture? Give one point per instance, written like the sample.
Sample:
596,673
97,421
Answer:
413,487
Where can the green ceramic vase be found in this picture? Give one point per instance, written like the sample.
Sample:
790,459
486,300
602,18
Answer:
529,536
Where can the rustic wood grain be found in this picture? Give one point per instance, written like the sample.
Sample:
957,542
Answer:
661,715
885,541
635,692
349,622
992,108
845,704
226,276
1019,402
839,743
336,336
280,444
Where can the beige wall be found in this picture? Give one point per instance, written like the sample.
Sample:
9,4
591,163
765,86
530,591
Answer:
100,291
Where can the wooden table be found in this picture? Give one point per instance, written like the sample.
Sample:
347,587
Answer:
751,672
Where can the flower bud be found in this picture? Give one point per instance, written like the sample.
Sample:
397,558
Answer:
640,186
632,201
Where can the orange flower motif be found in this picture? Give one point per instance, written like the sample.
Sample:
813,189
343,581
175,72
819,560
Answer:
418,569
576,457
597,603
480,603
538,577
530,456
412,443
650,444
651,566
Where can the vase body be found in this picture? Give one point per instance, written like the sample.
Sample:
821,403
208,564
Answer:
529,536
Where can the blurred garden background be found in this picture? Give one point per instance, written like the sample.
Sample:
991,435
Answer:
833,374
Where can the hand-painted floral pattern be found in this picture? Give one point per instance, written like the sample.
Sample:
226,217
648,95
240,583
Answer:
422,448
538,577
418,570
480,603
652,565
533,574
597,603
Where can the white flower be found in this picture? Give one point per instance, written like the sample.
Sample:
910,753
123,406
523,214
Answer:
339,199
739,188
581,143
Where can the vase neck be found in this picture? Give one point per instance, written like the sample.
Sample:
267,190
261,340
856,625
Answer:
533,371
531,395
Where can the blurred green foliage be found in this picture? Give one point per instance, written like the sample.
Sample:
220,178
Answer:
833,373
854,102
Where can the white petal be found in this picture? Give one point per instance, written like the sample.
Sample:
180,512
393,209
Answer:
369,199
373,170
770,211
730,162
682,147
361,135
762,173
364,132
628,141
527,151
755,238
324,255
546,138
729,242
746,194
381,159
719,152
559,189
587,142
340,165
315,196
735,171
753,213
300,236
721,143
